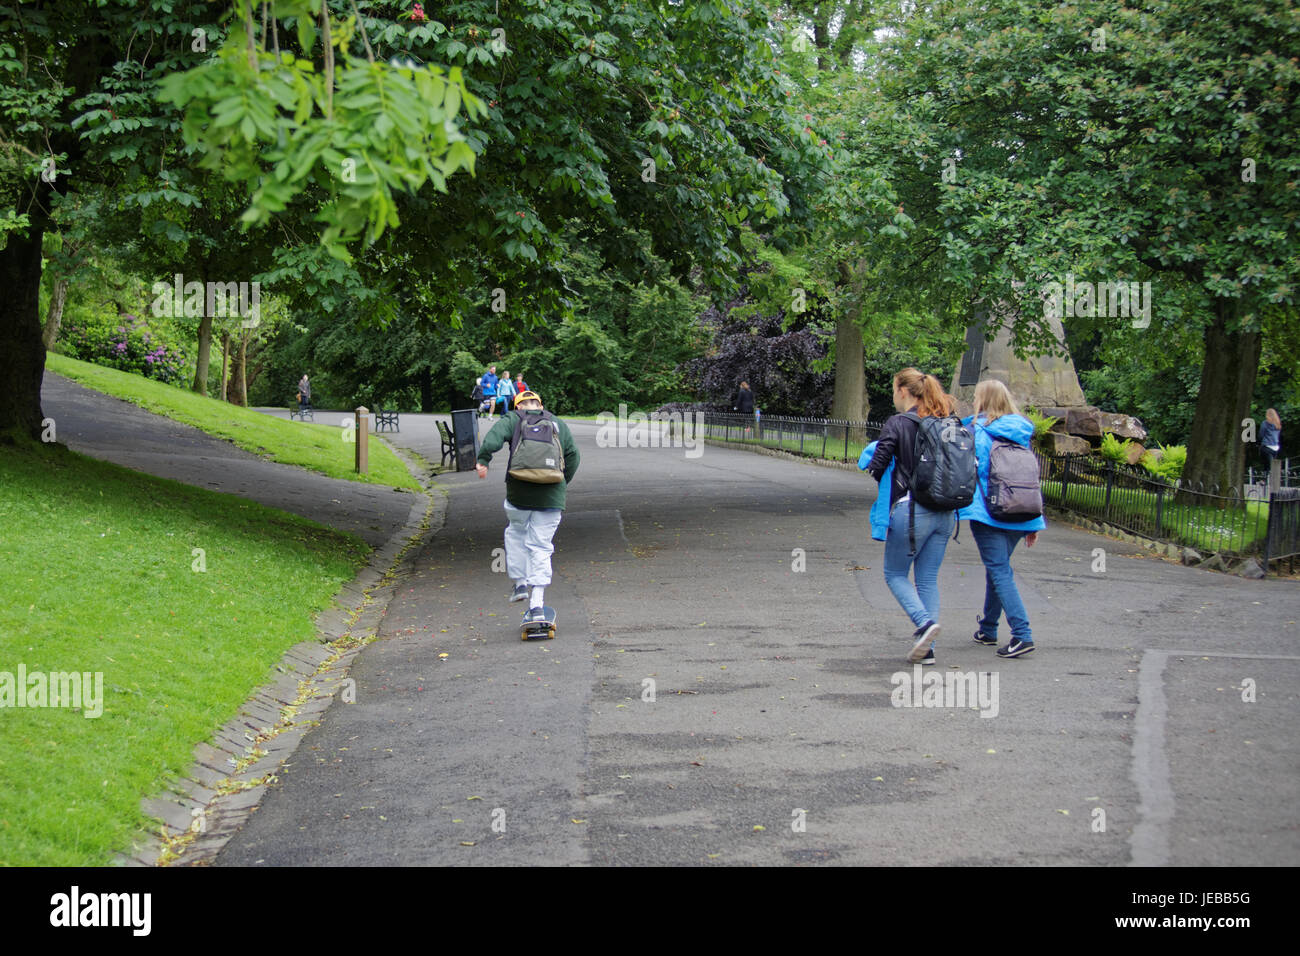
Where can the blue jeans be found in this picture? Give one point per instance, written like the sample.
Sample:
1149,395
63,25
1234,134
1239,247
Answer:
920,601
1000,592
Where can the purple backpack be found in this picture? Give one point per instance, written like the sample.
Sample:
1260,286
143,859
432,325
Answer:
1013,494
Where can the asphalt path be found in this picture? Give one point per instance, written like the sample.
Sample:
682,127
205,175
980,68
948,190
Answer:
110,429
724,684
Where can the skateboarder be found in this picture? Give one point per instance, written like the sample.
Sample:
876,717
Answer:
533,504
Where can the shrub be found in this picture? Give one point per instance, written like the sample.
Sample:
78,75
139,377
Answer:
1170,463
129,346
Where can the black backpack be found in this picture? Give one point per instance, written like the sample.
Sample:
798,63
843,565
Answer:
945,473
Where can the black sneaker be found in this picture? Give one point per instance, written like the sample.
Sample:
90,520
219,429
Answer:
980,636
922,638
928,658
1017,648
520,593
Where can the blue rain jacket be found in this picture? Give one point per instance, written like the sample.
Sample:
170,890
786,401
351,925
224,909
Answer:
879,510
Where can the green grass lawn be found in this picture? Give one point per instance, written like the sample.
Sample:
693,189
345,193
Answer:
320,448
1197,526
97,572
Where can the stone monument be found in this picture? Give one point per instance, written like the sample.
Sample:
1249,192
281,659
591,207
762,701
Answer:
1046,382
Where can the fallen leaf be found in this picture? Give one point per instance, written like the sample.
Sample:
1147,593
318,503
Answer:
468,842
759,826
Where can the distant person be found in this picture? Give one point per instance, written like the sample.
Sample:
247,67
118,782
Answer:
743,402
1270,437
520,386
304,394
996,416
533,507
918,536
505,393
489,383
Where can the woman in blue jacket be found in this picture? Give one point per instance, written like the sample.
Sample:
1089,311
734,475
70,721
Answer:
996,416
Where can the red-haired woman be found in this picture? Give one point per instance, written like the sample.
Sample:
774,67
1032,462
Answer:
923,396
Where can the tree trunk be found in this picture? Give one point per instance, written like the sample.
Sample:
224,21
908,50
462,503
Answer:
22,356
1216,455
850,399
54,318
205,347
225,364
243,370
238,390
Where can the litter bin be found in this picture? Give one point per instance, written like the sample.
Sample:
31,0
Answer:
464,432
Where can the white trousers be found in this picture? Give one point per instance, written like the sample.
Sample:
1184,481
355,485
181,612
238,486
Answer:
528,544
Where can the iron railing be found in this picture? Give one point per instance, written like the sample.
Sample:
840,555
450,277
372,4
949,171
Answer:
826,438
1136,501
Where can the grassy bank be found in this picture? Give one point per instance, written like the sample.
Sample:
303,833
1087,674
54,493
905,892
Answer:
319,448
100,573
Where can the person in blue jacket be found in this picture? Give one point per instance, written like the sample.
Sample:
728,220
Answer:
489,383
996,415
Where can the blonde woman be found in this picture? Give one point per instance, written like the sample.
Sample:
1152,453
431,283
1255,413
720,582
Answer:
996,416
1270,436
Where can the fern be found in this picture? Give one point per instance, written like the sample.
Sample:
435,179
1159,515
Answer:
1112,449
1042,423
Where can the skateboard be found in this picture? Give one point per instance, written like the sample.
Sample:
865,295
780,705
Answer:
543,628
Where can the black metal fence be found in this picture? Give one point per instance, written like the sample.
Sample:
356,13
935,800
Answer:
1258,477
1127,497
826,438
1136,501
1283,538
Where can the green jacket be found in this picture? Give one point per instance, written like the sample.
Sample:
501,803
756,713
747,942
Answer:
529,494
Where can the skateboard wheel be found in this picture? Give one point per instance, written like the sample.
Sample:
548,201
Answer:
550,635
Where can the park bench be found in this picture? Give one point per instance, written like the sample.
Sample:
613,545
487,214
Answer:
448,441
302,413
386,419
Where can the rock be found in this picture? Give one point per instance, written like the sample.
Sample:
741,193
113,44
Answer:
1059,414
1248,568
1134,453
1214,563
1124,426
1056,444
1191,557
1083,421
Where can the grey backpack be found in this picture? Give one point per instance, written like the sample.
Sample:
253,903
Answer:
536,450
1013,494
